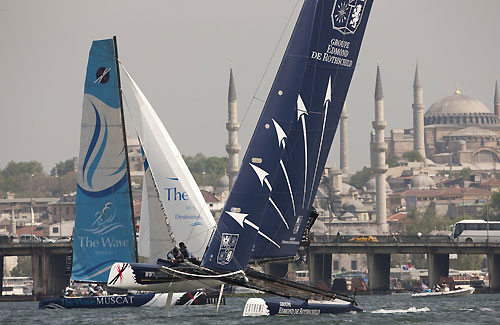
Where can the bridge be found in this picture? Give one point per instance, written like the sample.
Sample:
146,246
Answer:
49,259
379,253
48,262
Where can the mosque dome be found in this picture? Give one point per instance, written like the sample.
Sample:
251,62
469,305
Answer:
422,182
319,227
371,186
459,109
353,206
222,183
346,188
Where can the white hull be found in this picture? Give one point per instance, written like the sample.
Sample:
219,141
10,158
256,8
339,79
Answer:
453,293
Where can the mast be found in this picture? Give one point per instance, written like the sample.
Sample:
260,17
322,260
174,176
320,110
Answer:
125,147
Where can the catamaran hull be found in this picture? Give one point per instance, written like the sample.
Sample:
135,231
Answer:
131,300
277,306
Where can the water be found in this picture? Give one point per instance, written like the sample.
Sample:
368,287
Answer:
395,309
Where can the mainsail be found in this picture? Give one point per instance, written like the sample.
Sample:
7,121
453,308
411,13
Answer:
267,210
104,230
190,219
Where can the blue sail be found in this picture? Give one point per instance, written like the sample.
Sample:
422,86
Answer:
103,231
267,210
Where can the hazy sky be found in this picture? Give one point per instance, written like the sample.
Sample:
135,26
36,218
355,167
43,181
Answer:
179,53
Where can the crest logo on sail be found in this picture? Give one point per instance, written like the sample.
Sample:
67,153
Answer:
227,246
347,14
102,75
103,223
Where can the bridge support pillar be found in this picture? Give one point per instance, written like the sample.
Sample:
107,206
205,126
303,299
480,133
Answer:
494,272
379,272
320,270
438,266
276,269
1,274
48,274
38,268
56,274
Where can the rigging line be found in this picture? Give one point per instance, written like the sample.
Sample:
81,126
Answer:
215,276
268,65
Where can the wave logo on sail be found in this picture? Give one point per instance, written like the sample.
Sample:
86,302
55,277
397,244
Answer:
103,223
100,141
227,247
347,14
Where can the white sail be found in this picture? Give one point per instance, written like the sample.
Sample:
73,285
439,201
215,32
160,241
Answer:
155,236
188,214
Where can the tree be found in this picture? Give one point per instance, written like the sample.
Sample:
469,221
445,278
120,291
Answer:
427,222
17,177
392,160
359,179
467,262
62,167
465,173
27,179
23,267
413,155
206,171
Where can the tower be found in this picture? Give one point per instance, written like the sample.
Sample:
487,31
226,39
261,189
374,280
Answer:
496,101
344,162
232,126
418,115
379,149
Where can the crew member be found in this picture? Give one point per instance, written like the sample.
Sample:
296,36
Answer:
187,254
175,256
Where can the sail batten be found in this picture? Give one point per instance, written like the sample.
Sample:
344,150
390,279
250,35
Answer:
302,112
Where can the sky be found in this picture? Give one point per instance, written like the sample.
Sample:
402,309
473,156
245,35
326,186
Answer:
179,53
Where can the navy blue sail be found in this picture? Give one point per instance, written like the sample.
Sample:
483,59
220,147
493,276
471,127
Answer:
266,212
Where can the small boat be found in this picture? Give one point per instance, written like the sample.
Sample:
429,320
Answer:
447,293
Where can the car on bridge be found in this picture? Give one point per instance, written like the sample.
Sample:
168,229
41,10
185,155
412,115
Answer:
363,239
28,238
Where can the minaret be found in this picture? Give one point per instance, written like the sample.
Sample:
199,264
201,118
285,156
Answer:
380,147
418,115
344,162
496,101
232,126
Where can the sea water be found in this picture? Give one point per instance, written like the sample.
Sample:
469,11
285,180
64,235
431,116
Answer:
388,309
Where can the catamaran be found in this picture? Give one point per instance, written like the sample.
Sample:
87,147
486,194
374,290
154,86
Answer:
270,205
104,227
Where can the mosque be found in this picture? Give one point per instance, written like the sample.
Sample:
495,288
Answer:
456,130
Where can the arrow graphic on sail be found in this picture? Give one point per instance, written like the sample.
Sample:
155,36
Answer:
262,174
281,140
240,218
280,133
328,99
301,112
289,186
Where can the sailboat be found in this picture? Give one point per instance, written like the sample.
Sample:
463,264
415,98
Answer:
104,226
270,205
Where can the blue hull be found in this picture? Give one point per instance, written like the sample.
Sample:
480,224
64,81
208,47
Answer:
114,301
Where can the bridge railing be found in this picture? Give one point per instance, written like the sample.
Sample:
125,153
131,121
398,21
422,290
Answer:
381,238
